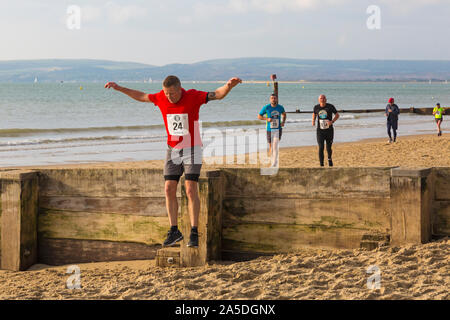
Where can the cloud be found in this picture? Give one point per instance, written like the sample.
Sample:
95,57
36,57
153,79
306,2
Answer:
406,7
204,9
90,13
285,5
112,12
185,20
119,14
342,40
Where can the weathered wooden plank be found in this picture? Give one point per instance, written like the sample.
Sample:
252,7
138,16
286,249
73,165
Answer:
168,257
10,225
102,226
442,183
441,218
411,206
28,227
145,206
102,182
369,214
69,251
209,223
1,223
214,216
310,182
281,238
19,219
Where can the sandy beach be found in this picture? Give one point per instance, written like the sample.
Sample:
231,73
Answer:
409,151
409,272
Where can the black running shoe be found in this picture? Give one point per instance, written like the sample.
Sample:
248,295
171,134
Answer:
172,238
193,240
330,162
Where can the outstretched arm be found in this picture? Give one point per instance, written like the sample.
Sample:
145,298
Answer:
135,94
222,92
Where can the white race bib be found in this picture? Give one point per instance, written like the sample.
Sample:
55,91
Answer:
274,123
324,124
178,124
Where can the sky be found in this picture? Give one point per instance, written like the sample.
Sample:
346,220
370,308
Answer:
188,31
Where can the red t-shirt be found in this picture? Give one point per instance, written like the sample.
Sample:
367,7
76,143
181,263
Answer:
181,118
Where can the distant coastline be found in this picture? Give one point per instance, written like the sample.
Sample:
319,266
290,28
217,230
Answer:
256,70
243,81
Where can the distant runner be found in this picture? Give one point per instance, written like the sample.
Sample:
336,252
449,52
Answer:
392,112
180,111
325,131
438,113
275,116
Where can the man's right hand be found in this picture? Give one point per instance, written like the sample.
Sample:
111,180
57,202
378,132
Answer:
113,85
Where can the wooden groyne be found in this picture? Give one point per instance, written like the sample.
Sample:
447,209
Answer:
69,216
420,111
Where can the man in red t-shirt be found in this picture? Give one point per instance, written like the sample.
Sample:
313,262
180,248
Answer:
180,111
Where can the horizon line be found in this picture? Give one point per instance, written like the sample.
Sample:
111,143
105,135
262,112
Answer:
218,59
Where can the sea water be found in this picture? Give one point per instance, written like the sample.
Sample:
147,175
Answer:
61,123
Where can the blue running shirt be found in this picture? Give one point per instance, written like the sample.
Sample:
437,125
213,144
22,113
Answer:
275,114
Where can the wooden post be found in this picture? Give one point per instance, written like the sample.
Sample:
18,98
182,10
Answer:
412,193
19,219
168,257
273,77
209,222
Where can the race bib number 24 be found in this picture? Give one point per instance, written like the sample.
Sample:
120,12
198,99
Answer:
178,124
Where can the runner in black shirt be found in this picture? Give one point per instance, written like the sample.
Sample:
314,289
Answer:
392,112
325,131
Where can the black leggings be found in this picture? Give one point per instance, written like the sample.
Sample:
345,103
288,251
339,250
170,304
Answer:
322,136
394,126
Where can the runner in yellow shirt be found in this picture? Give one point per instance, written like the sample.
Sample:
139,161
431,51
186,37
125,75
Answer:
438,113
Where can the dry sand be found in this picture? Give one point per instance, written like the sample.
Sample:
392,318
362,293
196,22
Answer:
410,272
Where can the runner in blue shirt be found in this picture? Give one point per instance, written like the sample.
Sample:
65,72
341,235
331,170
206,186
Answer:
275,117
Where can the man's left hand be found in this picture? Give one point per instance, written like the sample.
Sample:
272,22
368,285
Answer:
233,82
